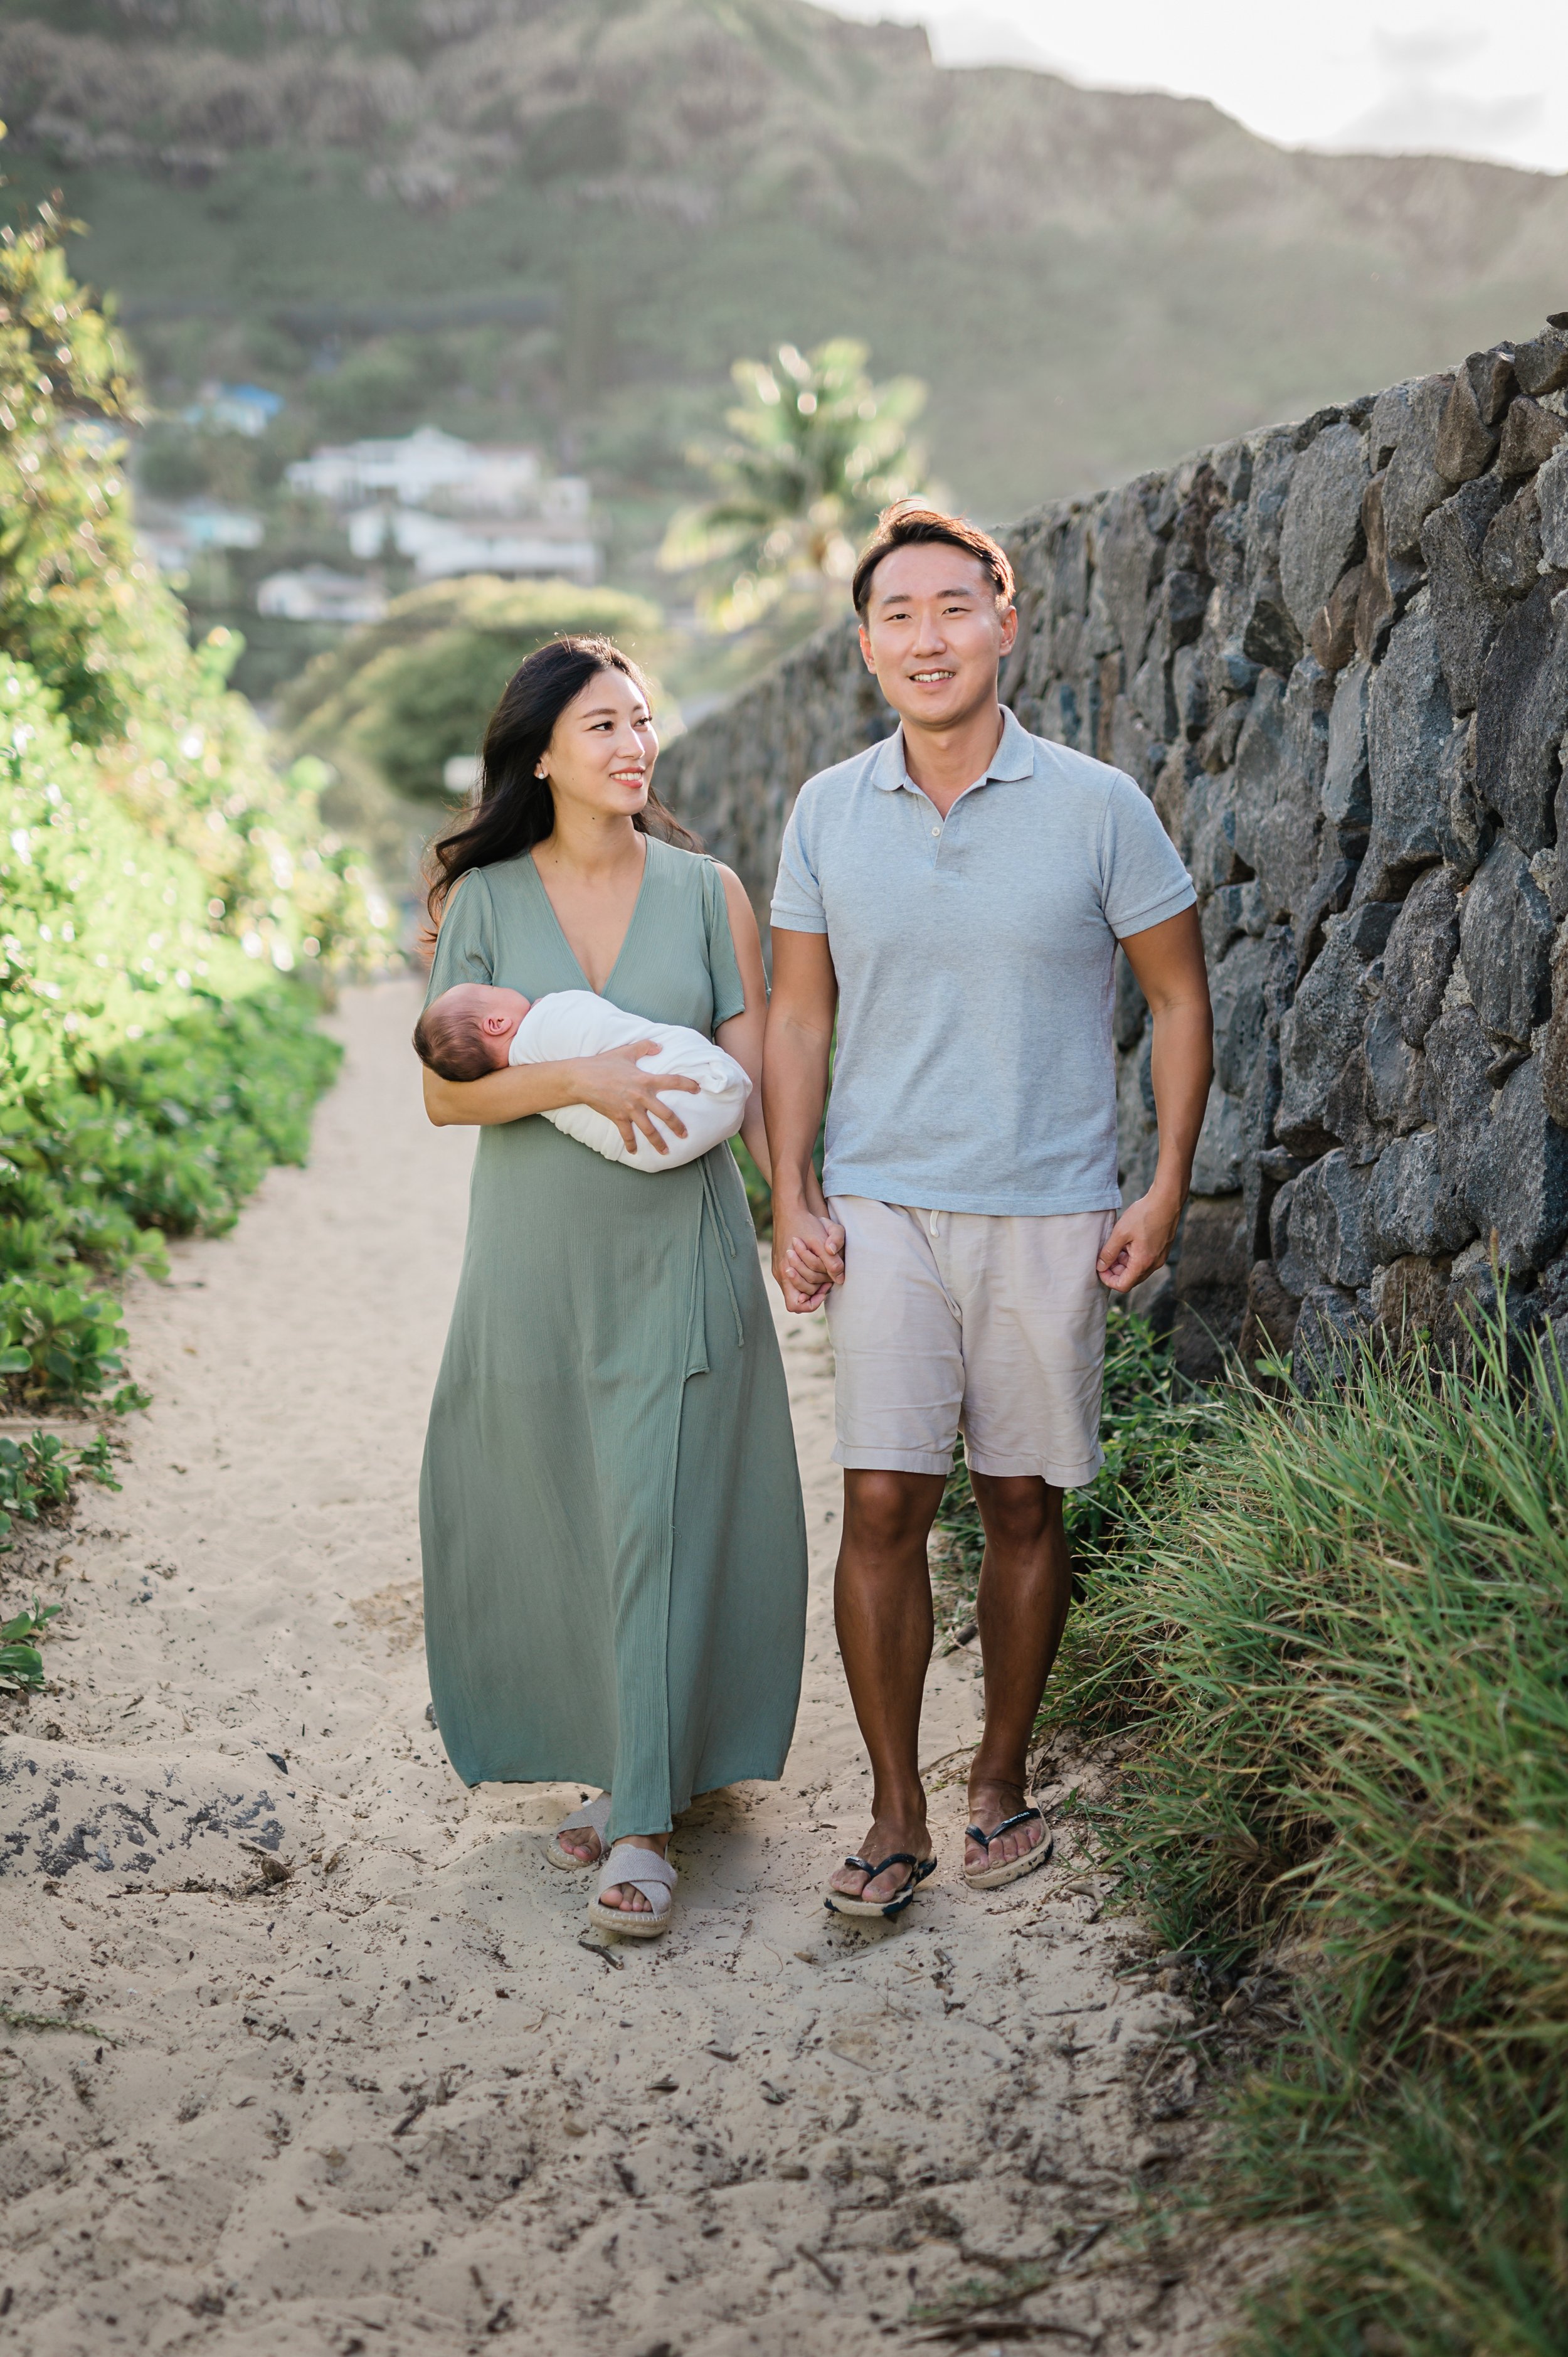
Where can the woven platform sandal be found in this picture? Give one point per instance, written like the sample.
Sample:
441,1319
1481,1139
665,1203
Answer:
992,1877
841,1902
638,1870
596,1815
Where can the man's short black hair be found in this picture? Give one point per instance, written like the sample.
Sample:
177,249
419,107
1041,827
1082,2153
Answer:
909,524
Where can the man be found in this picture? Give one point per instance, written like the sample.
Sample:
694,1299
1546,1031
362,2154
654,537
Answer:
954,898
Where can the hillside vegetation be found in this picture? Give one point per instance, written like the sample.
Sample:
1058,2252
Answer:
566,218
164,886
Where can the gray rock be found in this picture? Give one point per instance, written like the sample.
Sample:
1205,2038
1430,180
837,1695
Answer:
1531,433
1466,613
1296,1270
1520,717
1467,828
1458,1093
1257,1110
1236,987
1210,1266
1332,637
1396,1075
1490,375
1465,443
1480,1317
1322,1030
1391,416
1326,1229
1329,1336
1217,1162
1189,692
1406,1298
1420,952
1212,860
1517,1177
1552,499
1510,558
1130,1007
1347,786
1506,932
1415,1204
1408,724
1269,1328
1321,534
1279,810
1269,633
1183,601
1137,1137
1386,582
1541,365
1126,554
1414,484
1234,909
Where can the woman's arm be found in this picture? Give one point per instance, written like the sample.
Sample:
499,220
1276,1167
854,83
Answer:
741,1037
612,1083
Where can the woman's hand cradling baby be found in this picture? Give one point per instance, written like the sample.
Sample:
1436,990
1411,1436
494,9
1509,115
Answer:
614,1084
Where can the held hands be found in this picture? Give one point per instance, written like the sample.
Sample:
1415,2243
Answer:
808,1257
614,1084
1139,1243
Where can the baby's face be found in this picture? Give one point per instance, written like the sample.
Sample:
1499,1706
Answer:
496,1014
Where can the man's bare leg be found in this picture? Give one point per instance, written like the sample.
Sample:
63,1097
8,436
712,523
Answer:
1024,1591
882,1606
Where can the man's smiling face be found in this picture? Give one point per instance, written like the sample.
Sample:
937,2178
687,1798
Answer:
934,632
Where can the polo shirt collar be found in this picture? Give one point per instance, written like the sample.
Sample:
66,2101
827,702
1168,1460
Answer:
1014,758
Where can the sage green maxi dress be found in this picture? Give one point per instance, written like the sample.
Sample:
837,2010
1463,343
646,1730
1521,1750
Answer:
614,1542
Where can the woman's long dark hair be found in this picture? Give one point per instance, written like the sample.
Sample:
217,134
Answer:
512,809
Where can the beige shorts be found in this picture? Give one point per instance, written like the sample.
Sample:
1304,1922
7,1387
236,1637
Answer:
956,1322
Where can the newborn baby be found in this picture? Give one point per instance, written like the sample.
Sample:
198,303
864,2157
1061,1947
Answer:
478,1027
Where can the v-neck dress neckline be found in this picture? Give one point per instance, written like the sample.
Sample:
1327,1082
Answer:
540,885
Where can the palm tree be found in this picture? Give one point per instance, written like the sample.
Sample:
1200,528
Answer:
819,451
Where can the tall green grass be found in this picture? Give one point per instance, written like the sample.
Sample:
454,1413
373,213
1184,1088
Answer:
1342,1628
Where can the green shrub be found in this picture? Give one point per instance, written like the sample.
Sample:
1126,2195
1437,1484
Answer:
164,1136
1341,1625
101,642
158,876
409,693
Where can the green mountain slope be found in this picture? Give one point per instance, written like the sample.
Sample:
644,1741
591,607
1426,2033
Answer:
566,217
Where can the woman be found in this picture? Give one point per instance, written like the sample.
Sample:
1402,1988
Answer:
615,1551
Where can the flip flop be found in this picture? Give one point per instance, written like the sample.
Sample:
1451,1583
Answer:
597,1814
992,1877
841,1903
641,1869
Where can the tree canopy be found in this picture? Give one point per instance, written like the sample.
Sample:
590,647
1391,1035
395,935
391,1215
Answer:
818,450
409,694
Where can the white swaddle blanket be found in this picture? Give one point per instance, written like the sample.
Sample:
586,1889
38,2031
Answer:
578,1023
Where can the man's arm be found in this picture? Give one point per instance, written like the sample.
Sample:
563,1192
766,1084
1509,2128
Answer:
1167,960
807,1246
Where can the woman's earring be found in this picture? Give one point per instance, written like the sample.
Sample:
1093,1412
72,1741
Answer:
539,773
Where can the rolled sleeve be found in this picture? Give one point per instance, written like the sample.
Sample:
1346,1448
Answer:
1142,879
797,894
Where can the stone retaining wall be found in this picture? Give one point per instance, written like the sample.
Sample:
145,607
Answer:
1336,655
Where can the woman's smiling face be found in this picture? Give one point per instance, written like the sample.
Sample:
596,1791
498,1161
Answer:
602,749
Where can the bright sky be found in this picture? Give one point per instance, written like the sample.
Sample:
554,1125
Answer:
1392,74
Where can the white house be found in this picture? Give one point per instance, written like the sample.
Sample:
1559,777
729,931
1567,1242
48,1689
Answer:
412,469
442,546
317,594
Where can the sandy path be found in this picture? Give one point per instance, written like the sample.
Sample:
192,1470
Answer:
392,2104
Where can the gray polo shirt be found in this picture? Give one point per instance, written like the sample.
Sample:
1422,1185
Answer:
974,1070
